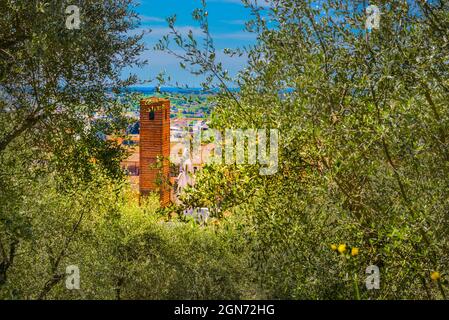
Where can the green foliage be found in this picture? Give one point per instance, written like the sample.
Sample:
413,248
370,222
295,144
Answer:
124,251
55,99
363,119
363,163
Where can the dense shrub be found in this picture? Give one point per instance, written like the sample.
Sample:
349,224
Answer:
363,160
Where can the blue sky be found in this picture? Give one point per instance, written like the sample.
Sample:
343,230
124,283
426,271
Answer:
226,19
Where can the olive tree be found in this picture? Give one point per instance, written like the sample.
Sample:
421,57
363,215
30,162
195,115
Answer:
60,79
362,111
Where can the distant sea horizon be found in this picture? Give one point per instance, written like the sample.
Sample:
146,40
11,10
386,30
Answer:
195,91
151,90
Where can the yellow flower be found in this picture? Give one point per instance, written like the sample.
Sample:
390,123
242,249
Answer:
354,251
333,247
342,248
435,276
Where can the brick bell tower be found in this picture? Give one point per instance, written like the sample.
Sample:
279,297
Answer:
154,143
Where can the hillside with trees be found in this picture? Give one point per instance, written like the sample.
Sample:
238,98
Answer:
363,176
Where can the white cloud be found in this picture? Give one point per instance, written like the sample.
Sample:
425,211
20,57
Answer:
264,3
184,30
227,1
151,19
234,22
158,32
241,35
161,61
